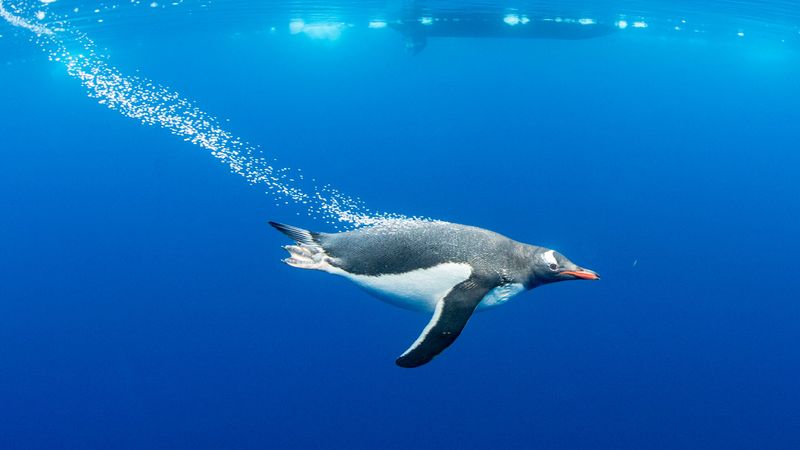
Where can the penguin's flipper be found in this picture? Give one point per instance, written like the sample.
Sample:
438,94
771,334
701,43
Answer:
449,318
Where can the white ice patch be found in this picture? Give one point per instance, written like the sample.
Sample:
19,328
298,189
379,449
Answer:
511,19
296,26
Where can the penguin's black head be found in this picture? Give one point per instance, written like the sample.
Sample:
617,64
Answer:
550,266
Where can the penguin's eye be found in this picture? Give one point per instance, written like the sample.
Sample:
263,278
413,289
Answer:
549,258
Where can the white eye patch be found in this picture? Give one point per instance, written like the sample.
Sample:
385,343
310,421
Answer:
549,257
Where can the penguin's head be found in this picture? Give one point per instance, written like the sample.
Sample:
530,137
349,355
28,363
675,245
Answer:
550,266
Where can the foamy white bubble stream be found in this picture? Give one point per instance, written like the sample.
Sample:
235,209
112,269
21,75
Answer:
153,104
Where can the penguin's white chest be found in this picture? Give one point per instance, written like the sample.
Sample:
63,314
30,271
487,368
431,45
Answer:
421,289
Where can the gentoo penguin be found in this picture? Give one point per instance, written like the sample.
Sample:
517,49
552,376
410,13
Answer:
442,268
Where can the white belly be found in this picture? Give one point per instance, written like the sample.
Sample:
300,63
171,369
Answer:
419,290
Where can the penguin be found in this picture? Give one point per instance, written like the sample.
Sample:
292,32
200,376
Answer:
440,268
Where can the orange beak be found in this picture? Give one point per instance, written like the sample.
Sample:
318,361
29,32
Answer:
583,274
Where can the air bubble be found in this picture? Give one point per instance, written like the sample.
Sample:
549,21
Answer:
156,105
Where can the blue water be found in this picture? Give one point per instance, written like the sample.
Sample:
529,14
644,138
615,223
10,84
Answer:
142,299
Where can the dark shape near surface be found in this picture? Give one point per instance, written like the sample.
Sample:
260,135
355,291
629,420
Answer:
417,32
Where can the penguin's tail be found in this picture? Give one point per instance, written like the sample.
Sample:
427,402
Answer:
308,253
299,235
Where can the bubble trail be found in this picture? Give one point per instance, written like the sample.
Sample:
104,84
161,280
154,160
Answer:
156,105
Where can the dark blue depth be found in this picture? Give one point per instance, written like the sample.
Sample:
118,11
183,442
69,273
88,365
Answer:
143,303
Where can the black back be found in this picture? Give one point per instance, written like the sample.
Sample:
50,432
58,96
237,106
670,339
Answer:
402,246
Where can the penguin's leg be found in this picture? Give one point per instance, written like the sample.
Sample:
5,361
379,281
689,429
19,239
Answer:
307,253
306,256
